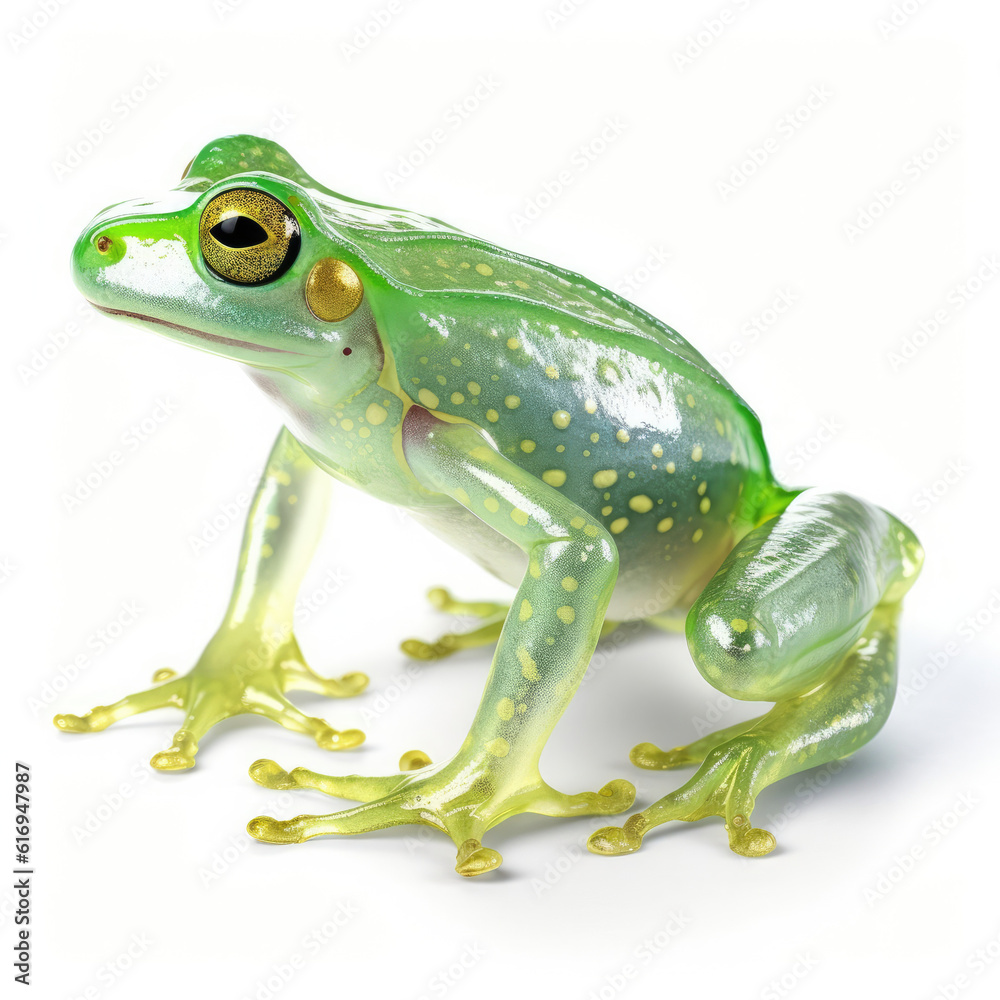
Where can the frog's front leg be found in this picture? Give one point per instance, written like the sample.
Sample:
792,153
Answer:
543,651
253,659
803,613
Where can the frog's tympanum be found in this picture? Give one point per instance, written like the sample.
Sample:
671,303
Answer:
567,441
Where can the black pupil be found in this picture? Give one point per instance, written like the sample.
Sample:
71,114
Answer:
238,232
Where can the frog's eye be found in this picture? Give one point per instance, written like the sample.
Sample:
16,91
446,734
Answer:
248,237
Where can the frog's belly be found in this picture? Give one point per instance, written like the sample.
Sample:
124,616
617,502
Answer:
648,583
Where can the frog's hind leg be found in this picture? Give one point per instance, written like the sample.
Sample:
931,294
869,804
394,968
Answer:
492,615
803,612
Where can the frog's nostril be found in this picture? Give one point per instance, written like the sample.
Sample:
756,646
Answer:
103,244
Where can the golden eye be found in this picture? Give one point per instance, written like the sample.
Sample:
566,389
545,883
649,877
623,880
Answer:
248,237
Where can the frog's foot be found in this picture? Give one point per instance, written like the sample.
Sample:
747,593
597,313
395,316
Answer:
651,757
462,798
725,785
227,682
491,614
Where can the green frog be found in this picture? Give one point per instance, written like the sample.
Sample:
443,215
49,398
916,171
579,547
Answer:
569,442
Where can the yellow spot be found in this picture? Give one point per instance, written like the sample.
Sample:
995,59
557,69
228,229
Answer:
696,453
561,419
505,709
520,283
283,477
525,613
482,453
702,486
590,406
498,747
560,447
690,399
534,569
554,477
719,427
492,416
696,537
607,510
365,432
529,669
512,402
519,516
457,397
462,497
485,270
474,388
569,583
658,451
670,467
272,522
618,525
577,522
513,343
666,524
441,380
376,414
705,505
595,437
293,499
622,435
739,624
605,478
428,399
528,446
441,263
491,504
590,531
266,551
566,614
552,371
641,503
457,362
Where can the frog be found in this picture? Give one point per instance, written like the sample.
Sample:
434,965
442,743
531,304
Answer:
560,436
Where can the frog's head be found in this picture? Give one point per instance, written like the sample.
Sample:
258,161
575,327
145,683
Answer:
237,260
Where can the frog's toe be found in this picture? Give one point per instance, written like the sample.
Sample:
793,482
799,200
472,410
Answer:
650,756
102,716
626,839
474,859
414,760
349,786
749,841
615,797
181,754
491,614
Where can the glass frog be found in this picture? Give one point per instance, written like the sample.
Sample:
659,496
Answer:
569,442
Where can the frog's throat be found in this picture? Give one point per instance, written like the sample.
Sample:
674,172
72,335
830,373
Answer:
213,337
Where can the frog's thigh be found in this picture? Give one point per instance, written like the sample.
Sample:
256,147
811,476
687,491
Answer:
795,595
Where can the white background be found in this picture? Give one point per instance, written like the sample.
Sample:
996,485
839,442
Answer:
124,857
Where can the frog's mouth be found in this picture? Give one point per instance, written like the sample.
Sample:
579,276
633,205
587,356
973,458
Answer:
212,337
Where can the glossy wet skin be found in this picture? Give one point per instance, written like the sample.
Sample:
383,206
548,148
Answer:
566,440
581,389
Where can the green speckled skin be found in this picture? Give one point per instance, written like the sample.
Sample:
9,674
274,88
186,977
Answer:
565,439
